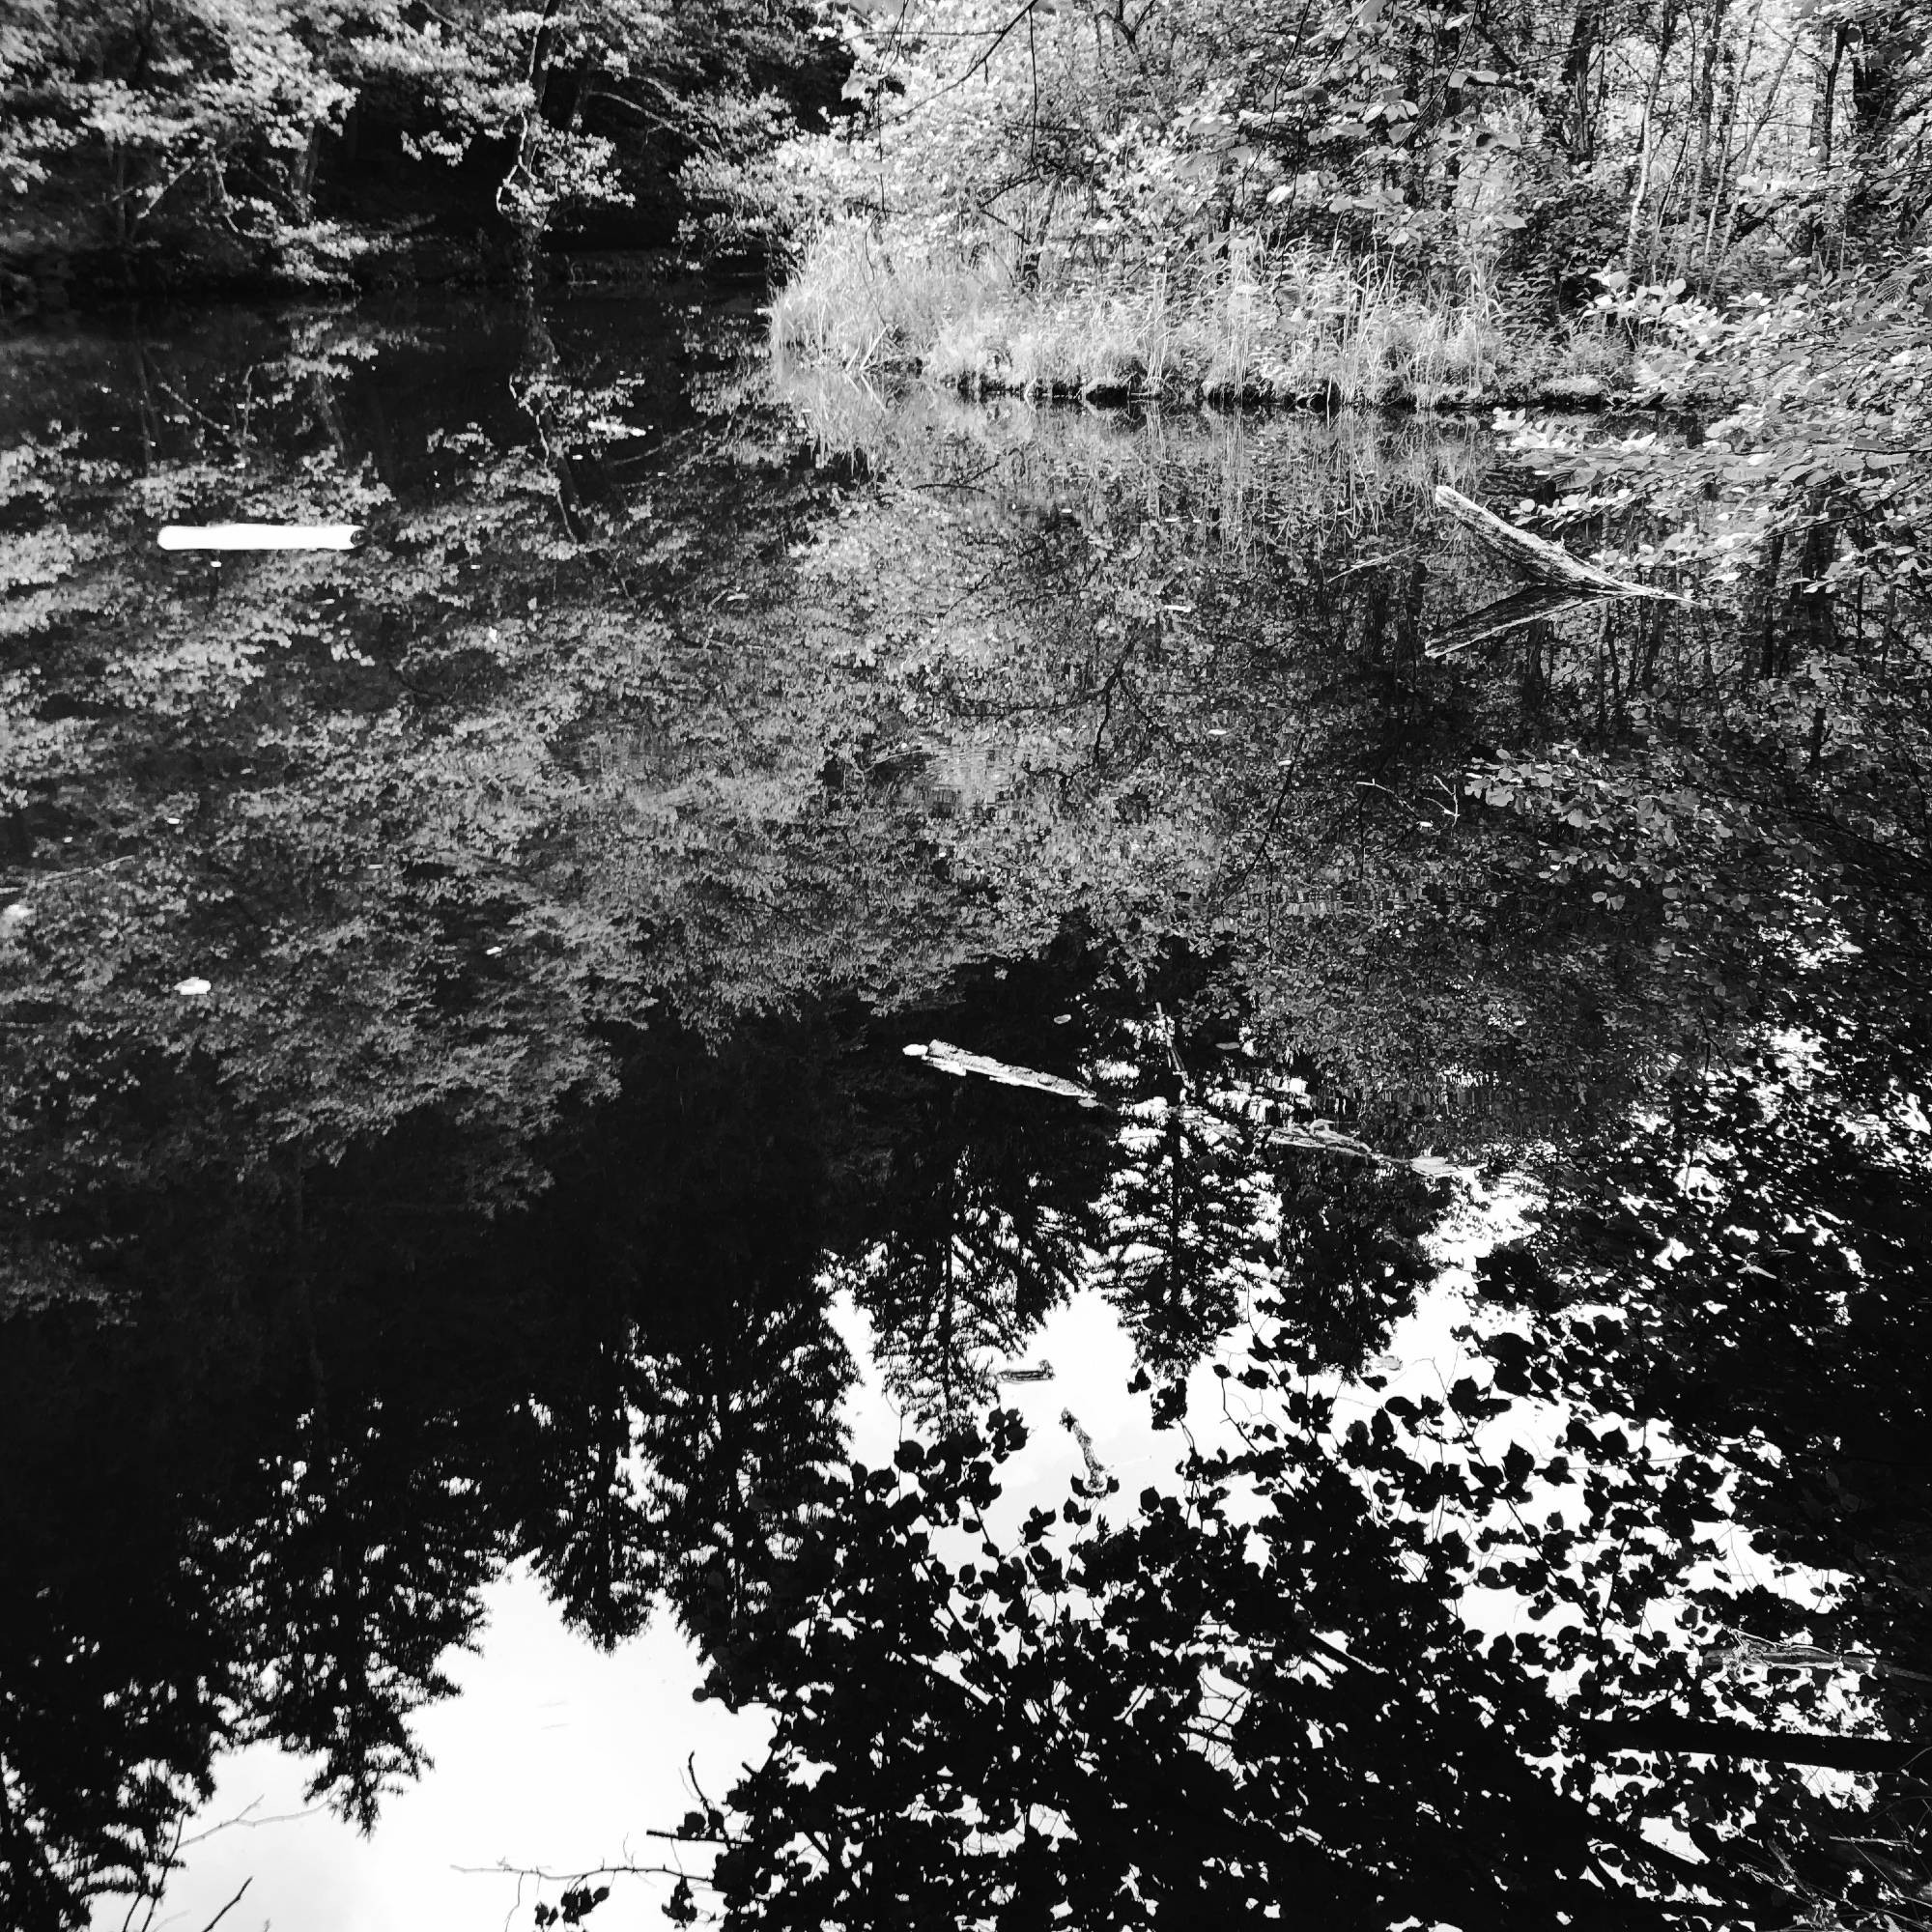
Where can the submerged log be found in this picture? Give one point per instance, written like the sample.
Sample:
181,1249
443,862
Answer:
1538,557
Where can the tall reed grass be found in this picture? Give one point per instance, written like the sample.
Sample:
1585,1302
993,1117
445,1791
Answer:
1244,322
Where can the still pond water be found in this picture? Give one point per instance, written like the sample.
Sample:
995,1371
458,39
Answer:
479,1262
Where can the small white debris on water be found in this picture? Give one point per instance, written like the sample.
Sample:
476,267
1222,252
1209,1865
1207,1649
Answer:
258,536
193,989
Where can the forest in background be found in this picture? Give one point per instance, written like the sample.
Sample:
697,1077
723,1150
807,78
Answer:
204,145
1210,186
1348,201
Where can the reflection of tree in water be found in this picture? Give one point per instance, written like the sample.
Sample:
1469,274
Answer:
120,1660
570,1456
366,1572
1214,1209
295,1492
678,1467
1351,1259
1765,1251
740,1426
450,825
968,1206
1186,1212
1209,1224
1172,1718
103,1753
981,1231
677,1454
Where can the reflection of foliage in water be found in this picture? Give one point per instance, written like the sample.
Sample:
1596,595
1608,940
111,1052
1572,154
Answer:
414,814
1102,1724
582,855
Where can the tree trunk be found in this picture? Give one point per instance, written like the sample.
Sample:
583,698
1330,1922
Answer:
1824,103
1705,46
1572,127
1666,34
1821,546
1881,61
1774,558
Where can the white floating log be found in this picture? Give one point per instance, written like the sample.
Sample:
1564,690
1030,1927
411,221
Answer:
957,1061
1043,1374
260,536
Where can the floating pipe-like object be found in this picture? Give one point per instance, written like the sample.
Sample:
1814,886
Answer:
260,536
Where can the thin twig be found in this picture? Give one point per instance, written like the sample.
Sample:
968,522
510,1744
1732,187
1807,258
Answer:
230,1906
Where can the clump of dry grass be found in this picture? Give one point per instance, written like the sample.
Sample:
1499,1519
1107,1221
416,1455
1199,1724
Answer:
863,303
1245,322
1034,348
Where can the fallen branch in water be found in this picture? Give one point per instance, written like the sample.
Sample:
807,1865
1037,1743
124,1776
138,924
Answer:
1533,604
1097,1472
1043,1374
1539,557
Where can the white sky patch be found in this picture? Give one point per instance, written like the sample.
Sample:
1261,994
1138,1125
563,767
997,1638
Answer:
553,1754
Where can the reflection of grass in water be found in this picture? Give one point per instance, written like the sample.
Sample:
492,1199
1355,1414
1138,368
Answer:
1244,322
1014,451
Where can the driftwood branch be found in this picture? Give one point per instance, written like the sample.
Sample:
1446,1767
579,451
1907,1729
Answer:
1044,1372
1539,558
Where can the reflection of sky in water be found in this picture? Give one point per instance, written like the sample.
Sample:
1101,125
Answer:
553,1754
557,1757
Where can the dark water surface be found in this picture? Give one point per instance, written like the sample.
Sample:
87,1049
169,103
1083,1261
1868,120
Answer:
473,1239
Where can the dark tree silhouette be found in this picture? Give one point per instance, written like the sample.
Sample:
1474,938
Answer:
1096,1724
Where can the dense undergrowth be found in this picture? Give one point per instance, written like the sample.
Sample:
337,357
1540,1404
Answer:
1431,206
225,146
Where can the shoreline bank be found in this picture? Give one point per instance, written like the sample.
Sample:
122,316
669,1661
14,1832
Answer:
1238,325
